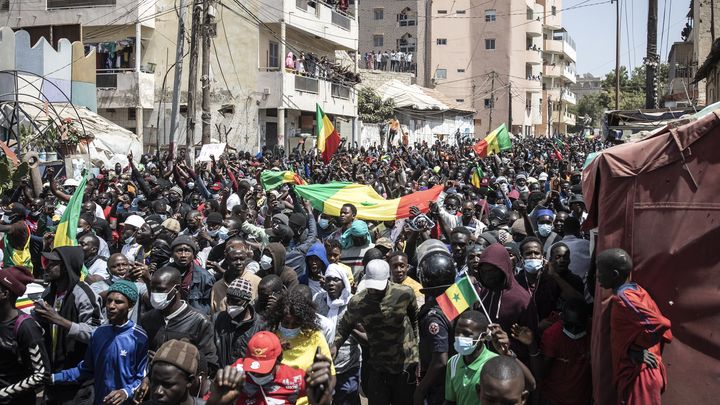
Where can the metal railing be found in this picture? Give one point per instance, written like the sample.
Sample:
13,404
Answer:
340,20
339,91
307,84
106,80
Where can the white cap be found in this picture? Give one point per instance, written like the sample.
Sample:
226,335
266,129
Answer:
543,176
71,183
135,220
377,273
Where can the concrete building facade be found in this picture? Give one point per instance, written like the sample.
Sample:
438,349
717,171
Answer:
680,91
135,44
585,85
511,61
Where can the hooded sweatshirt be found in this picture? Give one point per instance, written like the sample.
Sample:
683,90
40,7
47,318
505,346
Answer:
511,305
286,274
316,250
79,305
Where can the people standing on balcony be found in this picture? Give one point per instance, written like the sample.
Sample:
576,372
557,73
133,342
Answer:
300,63
290,61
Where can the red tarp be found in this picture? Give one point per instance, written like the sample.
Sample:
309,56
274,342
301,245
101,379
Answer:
666,214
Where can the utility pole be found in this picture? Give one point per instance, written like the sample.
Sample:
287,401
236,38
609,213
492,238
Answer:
492,99
550,112
208,33
617,54
179,54
510,106
652,58
195,34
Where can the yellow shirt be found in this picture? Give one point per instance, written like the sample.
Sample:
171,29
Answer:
299,352
420,297
348,271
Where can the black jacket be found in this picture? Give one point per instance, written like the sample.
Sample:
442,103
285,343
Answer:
232,336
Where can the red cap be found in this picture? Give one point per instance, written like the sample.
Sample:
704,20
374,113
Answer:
262,352
16,279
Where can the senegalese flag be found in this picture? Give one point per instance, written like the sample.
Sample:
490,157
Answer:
477,176
328,139
272,179
497,141
457,298
66,232
330,197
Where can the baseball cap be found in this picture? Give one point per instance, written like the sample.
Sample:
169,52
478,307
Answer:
377,273
172,225
53,256
16,279
387,243
135,220
263,349
543,176
71,183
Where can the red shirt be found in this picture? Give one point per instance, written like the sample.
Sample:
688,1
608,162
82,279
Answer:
288,386
568,382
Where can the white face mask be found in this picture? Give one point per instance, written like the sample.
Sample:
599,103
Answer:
161,301
266,262
544,230
288,333
574,336
80,230
261,381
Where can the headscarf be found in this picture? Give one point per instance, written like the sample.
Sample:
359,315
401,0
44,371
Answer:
358,228
335,305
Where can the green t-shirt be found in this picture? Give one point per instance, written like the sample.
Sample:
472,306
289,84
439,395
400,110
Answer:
461,378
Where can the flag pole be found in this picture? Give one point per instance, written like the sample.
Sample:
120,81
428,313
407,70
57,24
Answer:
478,298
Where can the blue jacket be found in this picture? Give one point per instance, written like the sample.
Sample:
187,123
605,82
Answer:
116,358
318,250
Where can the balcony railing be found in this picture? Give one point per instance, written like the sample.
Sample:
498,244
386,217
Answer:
340,20
307,84
340,91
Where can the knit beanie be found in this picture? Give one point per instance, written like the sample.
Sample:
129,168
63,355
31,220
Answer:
126,288
180,354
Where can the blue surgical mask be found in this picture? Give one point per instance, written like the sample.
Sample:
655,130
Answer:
287,333
465,346
323,223
544,230
532,266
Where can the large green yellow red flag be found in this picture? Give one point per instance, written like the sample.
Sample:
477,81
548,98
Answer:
330,197
497,141
272,179
328,139
66,232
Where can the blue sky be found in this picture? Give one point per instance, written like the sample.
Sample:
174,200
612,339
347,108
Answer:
593,29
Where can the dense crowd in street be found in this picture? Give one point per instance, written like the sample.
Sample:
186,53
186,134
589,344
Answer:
195,284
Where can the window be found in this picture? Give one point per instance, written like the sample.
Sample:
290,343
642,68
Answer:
378,40
274,54
490,43
460,12
51,4
459,100
442,11
490,15
4,5
378,13
553,10
488,103
405,21
441,41
440,74
461,70
131,114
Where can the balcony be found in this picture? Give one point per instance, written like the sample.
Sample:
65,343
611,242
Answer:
553,46
569,74
533,57
89,13
551,71
535,27
563,118
119,88
316,19
568,97
532,84
288,90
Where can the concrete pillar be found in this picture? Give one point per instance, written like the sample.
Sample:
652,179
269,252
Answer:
138,60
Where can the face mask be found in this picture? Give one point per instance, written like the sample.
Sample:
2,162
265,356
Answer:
213,233
261,381
464,345
323,223
266,262
191,185
288,333
235,310
574,336
532,266
160,301
163,216
80,230
35,214
544,230
130,240
6,220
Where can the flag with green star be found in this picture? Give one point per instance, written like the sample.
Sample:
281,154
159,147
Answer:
457,298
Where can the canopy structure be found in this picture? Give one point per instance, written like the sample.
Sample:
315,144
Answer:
658,199
416,97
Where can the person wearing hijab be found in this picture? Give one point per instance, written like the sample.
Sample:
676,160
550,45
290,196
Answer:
355,241
332,302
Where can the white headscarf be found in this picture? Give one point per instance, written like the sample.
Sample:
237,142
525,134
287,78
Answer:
335,305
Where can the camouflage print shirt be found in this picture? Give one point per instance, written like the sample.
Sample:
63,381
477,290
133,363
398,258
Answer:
391,326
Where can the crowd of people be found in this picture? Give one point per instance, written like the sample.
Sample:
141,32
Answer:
195,284
320,67
391,61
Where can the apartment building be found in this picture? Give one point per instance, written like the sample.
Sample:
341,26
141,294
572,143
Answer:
511,61
680,91
254,101
585,85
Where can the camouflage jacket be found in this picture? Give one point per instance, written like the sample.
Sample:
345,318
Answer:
391,325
